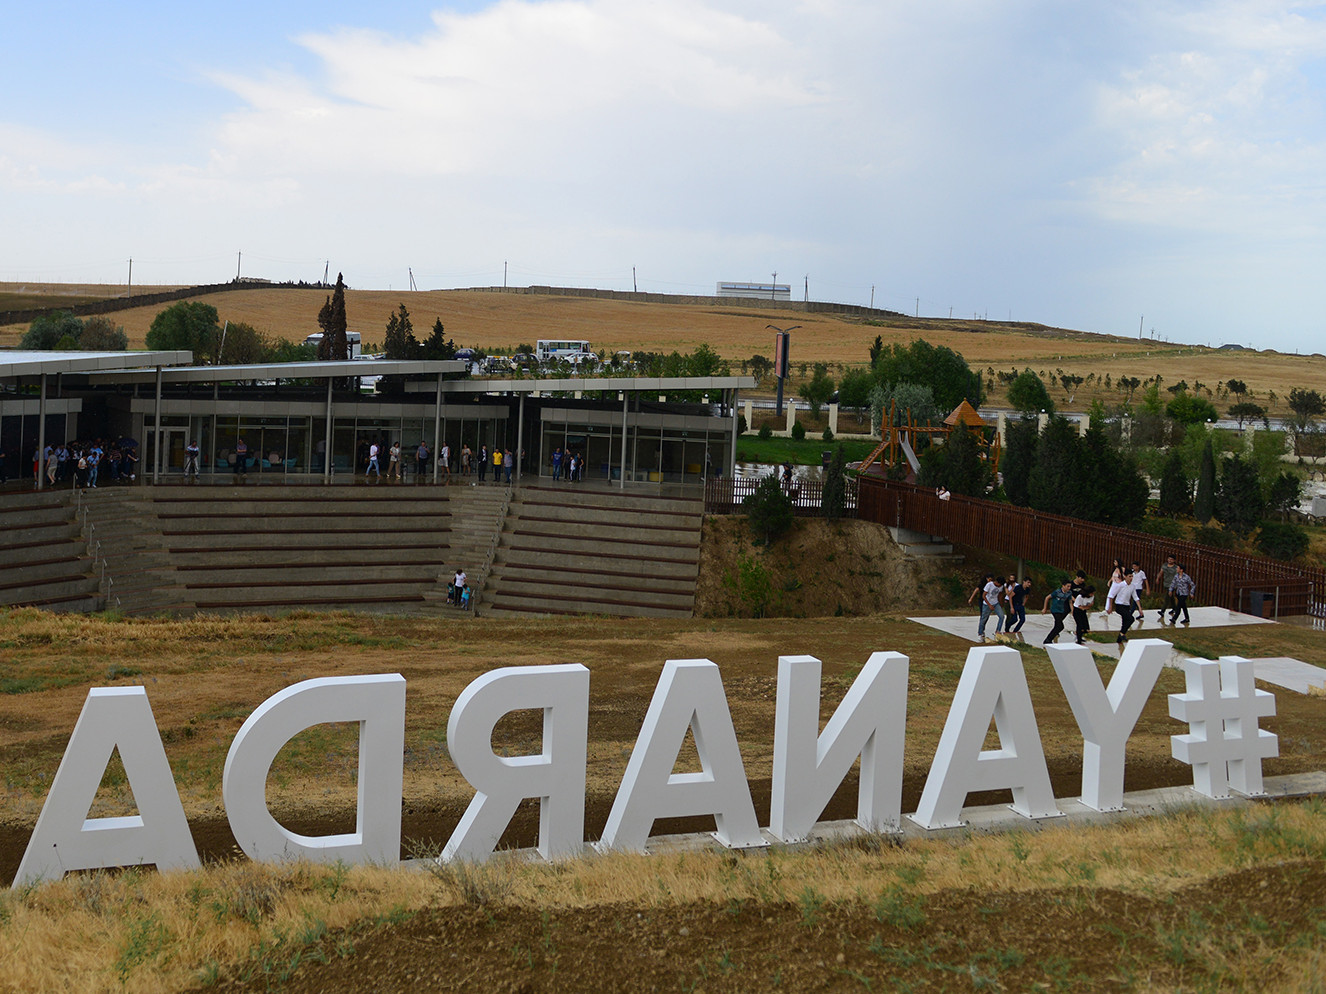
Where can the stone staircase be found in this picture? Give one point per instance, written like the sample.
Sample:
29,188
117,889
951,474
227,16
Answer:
137,575
584,550
477,514
920,545
45,558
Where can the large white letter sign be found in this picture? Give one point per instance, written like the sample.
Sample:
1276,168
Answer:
1106,718
66,839
689,695
870,722
377,704
1224,746
556,775
992,684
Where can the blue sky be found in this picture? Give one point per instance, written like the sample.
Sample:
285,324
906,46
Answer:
1087,165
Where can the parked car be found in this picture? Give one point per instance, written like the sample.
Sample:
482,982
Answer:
465,355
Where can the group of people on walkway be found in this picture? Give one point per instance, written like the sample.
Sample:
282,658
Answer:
1005,599
81,463
465,463
568,466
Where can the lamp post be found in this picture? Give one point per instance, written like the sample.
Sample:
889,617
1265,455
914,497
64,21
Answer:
781,345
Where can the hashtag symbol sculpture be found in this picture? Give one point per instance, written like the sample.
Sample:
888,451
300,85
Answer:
1224,747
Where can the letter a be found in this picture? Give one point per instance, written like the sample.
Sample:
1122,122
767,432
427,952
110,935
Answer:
66,839
992,684
689,695
870,722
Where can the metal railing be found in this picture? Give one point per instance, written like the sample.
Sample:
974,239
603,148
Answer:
725,495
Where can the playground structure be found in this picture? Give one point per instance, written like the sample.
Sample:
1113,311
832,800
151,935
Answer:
896,440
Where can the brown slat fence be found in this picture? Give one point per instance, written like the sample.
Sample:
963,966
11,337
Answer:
723,495
1234,580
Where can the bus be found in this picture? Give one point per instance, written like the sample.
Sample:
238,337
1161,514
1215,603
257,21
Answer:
546,349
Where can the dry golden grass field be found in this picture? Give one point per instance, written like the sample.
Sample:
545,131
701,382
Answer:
737,330
1226,899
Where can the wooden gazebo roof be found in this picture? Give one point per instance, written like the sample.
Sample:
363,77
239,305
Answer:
965,413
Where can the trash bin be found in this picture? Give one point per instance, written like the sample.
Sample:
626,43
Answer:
826,458
1261,603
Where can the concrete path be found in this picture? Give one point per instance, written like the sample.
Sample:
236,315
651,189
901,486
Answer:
1281,671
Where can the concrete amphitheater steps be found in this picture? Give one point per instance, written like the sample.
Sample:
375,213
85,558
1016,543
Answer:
45,558
248,549
581,550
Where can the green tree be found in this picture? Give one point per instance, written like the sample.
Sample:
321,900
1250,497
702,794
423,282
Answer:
284,350
1057,476
399,341
854,391
332,320
46,331
1246,410
189,325
834,496
1203,504
958,464
768,509
1283,493
1239,500
1282,541
437,345
1114,492
876,349
1189,410
1128,384
241,343
905,399
704,361
944,371
760,367
818,390
1027,394
1175,492
1070,382
101,334
1237,387
1307,406
1021,437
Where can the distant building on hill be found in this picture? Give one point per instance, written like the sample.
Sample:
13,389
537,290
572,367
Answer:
766,291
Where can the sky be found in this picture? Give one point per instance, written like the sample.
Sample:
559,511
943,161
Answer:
1130,167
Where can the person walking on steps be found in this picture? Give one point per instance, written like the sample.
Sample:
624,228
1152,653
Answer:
1122,600
1182,588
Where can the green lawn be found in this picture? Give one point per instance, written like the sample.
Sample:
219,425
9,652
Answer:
804,453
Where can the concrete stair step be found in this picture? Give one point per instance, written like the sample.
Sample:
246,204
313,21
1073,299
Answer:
609,498
517,546
605,531
33,571
504,604
34,515
50,588
19,555
259,542
605,579
293,574
592,591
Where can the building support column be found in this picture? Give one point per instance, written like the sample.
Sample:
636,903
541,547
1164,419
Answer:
520,439
732,449
437,427
327,441
41,436
626,433
156,428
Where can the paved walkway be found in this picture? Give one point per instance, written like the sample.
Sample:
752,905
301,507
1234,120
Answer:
1282,671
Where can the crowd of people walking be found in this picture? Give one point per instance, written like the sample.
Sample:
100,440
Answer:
465,464
81,463
1005,599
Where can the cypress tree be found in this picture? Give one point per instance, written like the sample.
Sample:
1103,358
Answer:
1057,476
340,346
1175,495
833,501
1203,507
1239,503
1019,457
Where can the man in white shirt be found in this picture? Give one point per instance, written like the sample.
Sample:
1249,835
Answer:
373,462
1121,599
1140,587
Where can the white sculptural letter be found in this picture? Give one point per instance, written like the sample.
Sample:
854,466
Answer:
66,839
808,766
556,775
1222,706
992,685
377,705
1107,717
689,695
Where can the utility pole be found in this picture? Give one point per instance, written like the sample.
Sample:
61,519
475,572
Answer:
635,287
503,275
773,287
325,270
1139,325
918,307
872,296
129,292
239,258
413,284
808,288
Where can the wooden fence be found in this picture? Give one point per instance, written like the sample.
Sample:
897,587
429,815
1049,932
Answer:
724,495
1234,580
